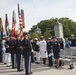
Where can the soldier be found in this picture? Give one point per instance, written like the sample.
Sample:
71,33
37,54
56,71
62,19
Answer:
8,55
12,50
18,53
26,53
56,50
49,50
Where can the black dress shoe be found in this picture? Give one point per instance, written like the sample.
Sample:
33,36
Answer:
30,73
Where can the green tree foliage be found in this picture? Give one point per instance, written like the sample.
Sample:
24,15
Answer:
34,35
47,35
69,26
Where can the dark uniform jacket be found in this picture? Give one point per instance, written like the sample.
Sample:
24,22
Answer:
26,47
7,43
12,46
18,46
56,46
49,46
36,47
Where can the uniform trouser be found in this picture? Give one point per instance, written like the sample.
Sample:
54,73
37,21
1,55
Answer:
38,57
4,57
21,63
0,56
50,60
32,57
13,58
8,56
26,59
18,60
29,64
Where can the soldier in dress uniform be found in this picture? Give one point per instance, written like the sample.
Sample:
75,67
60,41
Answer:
26,53
56,50
18,53
12,51
49,50
8,55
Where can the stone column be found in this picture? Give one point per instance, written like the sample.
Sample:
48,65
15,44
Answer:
58,30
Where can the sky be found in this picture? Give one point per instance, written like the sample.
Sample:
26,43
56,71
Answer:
37,10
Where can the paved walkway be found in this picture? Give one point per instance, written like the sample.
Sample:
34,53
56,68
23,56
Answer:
39,70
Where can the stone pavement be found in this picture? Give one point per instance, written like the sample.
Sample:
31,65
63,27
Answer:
39,70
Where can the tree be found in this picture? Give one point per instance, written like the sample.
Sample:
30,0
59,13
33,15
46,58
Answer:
47,35
69,26
34,35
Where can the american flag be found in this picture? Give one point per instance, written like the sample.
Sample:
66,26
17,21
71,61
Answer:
14,25
20,23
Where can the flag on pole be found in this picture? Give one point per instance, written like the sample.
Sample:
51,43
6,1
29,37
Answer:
20,23
1,28
22,15
14,25
7,25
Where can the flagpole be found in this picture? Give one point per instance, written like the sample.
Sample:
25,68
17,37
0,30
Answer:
1,29
20,23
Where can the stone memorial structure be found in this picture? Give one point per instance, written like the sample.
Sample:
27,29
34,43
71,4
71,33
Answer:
58,30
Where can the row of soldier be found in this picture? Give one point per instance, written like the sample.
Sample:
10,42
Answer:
14,51
31,50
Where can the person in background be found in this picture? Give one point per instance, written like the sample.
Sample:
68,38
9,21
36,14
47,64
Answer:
49,50
32,53
56,50
72,42
0,51
43,49
8,55
61,44
37,51
4,50
67,43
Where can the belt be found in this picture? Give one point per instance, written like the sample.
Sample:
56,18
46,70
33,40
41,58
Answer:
25,47
11,46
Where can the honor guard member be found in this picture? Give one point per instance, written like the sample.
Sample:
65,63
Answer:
18,52
8,55
49,50
26,52
12,51
56,50
0,50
